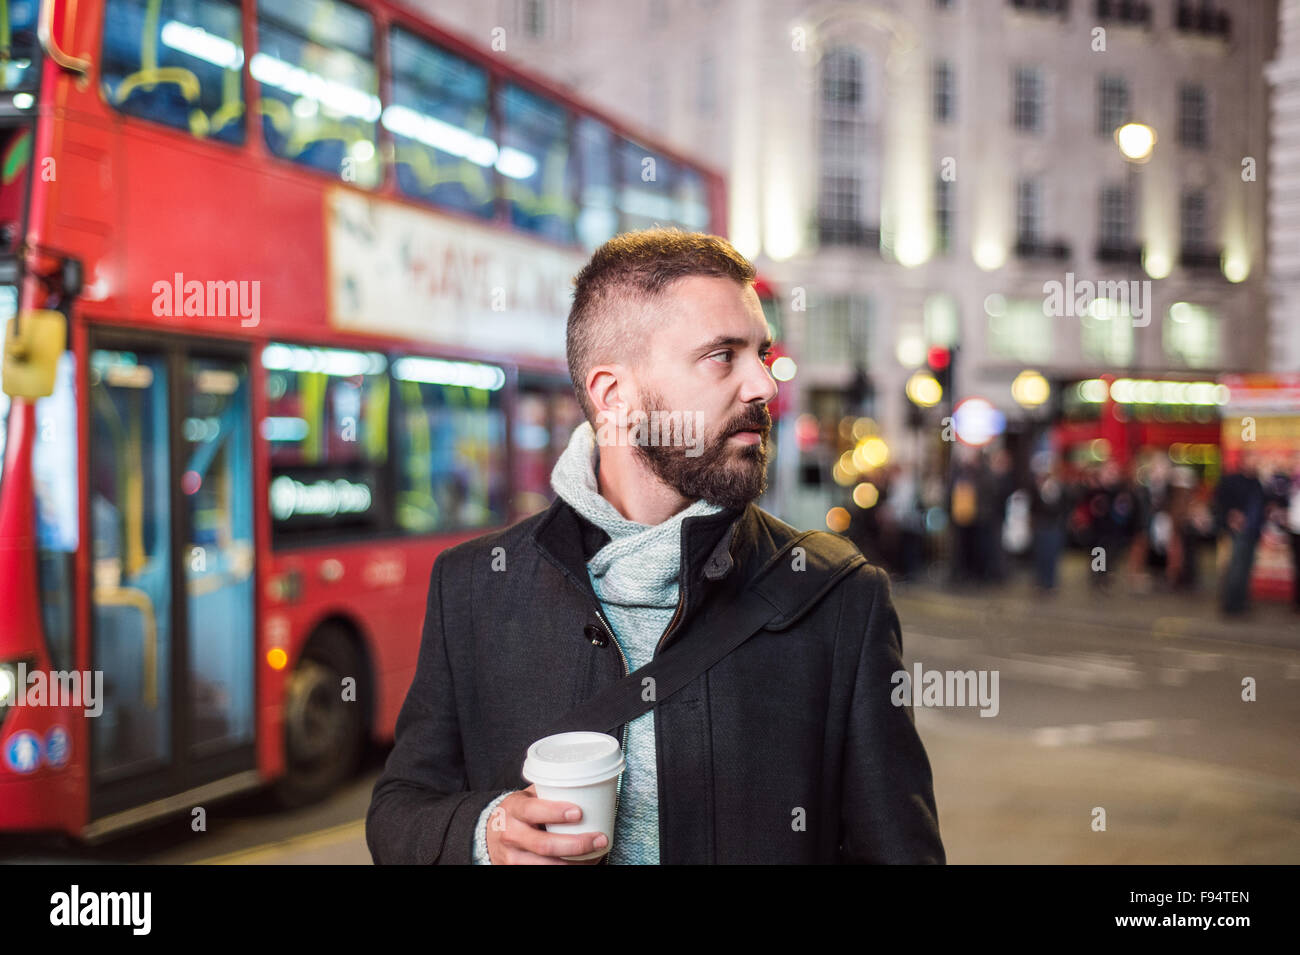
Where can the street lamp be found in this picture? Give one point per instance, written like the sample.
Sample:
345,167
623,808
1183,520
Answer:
1136,141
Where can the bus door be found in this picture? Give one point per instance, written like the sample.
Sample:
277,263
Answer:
171,527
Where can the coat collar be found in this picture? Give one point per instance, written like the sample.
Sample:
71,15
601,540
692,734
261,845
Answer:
709,543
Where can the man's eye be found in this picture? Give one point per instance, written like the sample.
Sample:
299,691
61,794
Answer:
716,354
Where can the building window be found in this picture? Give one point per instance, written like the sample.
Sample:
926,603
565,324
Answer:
1112,104
706,85
1061,7
842,79
1106,330
1200,16
532,14
943,211
1028,99
944,92
1191,335
1193,117
1193,223
847,198
1114,223
1029,213
1019,329
1133,12
839,330
942,320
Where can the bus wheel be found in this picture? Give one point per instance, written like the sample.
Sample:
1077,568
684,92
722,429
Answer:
322,731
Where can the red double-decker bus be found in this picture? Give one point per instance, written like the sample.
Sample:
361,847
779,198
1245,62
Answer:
284,286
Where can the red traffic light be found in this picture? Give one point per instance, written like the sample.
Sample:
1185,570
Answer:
937,358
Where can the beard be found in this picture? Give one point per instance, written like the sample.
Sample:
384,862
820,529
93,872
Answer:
724,474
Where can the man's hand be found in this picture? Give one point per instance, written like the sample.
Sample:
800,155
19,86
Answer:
516,833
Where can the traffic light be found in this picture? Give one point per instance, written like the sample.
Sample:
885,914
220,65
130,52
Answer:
940,361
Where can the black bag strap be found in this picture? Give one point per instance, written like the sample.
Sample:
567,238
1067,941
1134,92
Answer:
783,590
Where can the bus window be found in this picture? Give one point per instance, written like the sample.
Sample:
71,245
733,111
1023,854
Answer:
545,415
22,46
177,62
536,164
315,69
327,427
54,479
216,483
691,199
54,483
131,525
441,126
450,445
645,187
597,217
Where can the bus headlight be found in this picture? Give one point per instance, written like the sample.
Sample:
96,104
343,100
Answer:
8,683
8,688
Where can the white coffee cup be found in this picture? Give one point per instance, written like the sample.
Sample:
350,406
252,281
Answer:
581,768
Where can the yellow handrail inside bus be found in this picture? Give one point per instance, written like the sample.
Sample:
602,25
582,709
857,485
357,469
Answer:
311,394
416,505
133,597
149,77
232,106
45,33
429,172
278,113
133,493
376,418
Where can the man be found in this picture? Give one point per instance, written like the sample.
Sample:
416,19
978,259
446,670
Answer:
1239,508
788,749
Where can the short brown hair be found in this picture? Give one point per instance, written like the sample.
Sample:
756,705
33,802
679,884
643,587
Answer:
636,266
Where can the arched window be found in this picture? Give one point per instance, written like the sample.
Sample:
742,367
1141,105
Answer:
848,193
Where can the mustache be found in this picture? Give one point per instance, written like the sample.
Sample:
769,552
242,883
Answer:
760,421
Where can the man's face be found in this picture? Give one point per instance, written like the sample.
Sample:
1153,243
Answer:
708,360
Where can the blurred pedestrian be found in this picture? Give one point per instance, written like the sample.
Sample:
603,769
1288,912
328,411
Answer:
999,483
1291,524
1049,509
963,511
1239,506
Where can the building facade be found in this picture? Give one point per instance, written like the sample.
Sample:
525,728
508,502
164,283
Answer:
1284,193
946,173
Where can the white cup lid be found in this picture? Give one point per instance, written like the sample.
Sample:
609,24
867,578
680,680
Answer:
576,758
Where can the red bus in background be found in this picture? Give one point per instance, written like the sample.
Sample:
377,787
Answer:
1117,418
311,260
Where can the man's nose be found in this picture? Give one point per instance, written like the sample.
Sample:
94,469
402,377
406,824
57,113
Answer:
760,385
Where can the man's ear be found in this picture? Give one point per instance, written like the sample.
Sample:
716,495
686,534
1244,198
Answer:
607,387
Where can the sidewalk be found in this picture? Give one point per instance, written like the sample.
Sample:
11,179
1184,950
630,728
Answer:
1192,614
1003,799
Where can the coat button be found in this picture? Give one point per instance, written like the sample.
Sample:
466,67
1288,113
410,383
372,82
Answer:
595,635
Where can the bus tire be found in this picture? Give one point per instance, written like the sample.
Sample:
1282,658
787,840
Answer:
323,733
